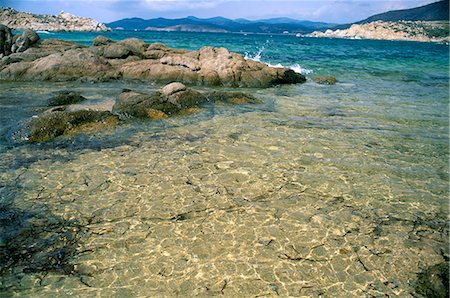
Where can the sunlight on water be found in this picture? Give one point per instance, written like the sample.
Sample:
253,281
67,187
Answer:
321,190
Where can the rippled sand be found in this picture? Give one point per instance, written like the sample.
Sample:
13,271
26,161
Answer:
295,197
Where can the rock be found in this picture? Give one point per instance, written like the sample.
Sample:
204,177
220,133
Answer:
68,65
6,40
101,41
174,98
136,46
434,281
116,51
423,31
24,41
325,80
63,22
65,98
140,105
231,97
133,59
52,124
173,88
185,99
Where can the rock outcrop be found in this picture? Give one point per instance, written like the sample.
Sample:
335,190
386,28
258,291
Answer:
57,122
16,44
405,30
65,97
173,99
63,22
6,40
133,59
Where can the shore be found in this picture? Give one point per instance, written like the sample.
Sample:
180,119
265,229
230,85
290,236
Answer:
62,22
404,30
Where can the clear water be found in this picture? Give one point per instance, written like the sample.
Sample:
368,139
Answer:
321,190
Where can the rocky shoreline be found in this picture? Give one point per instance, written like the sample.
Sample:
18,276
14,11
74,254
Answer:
26,58
404,30
134,59
64,21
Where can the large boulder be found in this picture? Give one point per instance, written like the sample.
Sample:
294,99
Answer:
116,51
6,40
101,41
68,65
24,41
172,99
55,123
133,59
207,66
140,105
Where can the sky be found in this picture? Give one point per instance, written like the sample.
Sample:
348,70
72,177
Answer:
333,11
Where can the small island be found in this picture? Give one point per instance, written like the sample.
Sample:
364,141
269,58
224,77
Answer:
62,22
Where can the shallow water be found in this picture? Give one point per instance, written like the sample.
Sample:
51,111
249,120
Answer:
321,190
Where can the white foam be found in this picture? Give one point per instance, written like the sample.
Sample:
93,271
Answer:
295,67
256,56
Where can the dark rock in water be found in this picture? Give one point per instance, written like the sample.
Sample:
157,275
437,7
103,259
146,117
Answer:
65,98
180,96
6,40
34,240
231,97
25,41
56,123
325,80
174,98
101,41
434,281
141,105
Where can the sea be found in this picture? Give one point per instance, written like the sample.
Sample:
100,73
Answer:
319,191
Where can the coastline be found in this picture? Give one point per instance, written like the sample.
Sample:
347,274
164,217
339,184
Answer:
63,22
419,31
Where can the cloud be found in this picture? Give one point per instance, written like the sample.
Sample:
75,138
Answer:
341,11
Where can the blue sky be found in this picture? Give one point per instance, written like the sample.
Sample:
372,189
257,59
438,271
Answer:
336,11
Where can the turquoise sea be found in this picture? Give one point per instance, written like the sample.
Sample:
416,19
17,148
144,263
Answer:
320,191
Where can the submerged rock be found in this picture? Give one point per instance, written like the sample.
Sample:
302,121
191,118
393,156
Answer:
66,98
231,97
56,123
170,100
174,98
325,80
434,281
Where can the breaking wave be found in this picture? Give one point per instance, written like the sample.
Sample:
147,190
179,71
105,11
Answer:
256,56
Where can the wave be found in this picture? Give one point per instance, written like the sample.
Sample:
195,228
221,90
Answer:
295,67
43,32
256,56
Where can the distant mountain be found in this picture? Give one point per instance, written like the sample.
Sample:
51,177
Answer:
221,24
437,11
